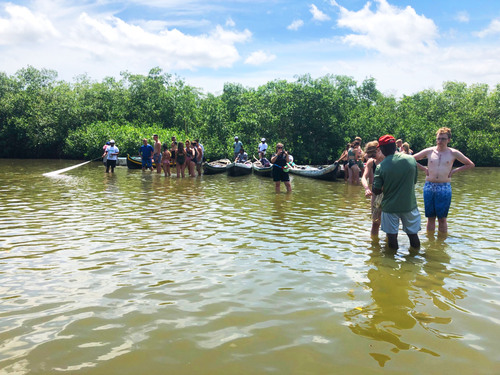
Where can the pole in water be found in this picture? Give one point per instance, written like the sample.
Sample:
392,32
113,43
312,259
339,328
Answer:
59,171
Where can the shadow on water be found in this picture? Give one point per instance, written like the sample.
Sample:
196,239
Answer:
397,285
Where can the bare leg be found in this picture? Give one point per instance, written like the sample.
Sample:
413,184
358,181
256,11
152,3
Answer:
442,225
277,186
392,241
288,186
431,224
375,229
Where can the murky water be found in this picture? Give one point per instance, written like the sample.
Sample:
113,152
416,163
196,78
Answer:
135,273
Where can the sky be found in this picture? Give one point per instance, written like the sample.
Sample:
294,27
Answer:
405,45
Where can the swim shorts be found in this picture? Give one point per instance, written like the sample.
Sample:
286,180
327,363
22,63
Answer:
157,158
410,221
437,199
147,163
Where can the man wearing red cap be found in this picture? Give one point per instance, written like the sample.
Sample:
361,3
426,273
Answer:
396,177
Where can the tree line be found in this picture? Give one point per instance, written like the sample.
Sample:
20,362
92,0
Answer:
43,117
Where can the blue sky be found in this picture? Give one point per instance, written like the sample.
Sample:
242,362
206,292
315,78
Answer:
406,45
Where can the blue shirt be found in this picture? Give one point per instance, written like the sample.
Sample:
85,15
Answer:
146,151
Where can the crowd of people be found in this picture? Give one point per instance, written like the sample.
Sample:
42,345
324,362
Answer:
388,170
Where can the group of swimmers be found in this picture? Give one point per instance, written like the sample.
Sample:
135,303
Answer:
353,158
187,155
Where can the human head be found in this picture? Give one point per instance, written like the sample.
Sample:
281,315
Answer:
358,139
111,142
387,144
236,138
145,141
279,146
371,149
445,131
406,147
180,146
263,140
188,142
241,150
155,136
355,144
173,139
399,142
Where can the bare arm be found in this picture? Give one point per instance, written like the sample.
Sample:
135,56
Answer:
423,155
467,163
366,177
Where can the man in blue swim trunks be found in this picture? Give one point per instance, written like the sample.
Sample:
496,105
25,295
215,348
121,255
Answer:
437,188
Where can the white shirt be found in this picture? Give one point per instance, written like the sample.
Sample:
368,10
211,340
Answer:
111,150
262,147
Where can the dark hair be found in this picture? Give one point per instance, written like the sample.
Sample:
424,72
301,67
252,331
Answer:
388,149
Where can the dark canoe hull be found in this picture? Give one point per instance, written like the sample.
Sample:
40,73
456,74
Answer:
258,169
239,169
135,162
218,166
322,172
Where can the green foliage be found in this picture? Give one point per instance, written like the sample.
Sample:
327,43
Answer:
314,118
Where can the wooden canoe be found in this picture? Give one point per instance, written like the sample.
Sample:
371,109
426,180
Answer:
321,172
217,166
239,169
135,162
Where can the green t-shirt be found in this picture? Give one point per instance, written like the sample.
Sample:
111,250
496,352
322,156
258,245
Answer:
397,176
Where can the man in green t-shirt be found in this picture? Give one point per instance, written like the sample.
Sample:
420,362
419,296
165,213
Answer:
396,177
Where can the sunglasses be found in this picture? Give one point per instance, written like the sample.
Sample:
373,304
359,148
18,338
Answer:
279,148
442,138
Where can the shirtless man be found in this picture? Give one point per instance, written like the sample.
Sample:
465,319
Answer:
437,188
157,153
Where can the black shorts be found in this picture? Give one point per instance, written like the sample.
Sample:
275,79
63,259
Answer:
110,163
280,175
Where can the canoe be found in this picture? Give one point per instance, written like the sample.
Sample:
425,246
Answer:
217,166
239,169
260,170
321,172
135,162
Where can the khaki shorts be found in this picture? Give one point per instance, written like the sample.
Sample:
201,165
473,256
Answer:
410,221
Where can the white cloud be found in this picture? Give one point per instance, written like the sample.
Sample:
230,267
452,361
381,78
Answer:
317,14
389,30
230,22
492,29
462,17
259,58
295,25
22,25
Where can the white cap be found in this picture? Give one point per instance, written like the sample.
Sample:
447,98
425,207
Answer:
263,140
112,141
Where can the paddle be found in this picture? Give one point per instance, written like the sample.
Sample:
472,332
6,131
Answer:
59,171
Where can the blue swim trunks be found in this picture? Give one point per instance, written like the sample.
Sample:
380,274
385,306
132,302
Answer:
437,199
147,163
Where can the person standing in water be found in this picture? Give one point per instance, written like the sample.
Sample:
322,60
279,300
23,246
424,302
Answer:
111,153
375,157
280,160
396,177
437,188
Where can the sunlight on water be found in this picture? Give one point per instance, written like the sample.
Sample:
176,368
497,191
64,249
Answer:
137,273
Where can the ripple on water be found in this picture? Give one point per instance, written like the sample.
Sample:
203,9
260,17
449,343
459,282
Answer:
218,275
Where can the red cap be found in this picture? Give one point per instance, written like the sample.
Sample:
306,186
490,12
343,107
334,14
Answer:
386,139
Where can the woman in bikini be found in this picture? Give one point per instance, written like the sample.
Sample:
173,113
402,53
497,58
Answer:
180,159
190,157
165,160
